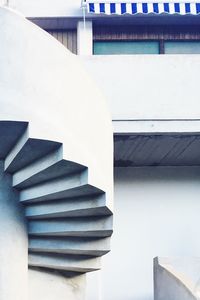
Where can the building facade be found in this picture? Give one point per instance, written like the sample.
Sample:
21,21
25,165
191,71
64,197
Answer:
144,57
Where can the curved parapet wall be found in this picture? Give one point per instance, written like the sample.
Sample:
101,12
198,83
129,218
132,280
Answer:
176,278
44,84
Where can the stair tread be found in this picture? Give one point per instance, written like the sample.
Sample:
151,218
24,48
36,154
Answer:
76,191
59,169
70,245
80,206
64,262
89,226
31,151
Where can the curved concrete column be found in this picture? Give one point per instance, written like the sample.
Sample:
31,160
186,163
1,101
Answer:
60,164
13,242
44,84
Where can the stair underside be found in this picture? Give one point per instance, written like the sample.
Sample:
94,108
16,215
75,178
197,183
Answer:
74,263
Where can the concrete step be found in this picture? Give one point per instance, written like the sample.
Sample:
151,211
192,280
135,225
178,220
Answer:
26,151
74,263
15,151
61,188
47,168
10,133
70,245
26,176
53,189
74,207
82,227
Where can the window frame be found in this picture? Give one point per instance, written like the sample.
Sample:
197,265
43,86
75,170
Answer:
161,34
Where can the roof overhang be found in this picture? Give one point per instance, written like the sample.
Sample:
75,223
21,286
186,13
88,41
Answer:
157,143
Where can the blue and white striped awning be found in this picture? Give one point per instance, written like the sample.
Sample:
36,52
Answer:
121,8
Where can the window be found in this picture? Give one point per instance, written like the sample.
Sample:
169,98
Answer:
126,47
182,47
143,39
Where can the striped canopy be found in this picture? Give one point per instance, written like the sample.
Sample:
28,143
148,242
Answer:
182,8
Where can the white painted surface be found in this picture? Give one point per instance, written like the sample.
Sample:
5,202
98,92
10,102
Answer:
84,38
13,242
156,214
52,286
148,86
56,8
43,83
47,8
156,126
176,278
187,268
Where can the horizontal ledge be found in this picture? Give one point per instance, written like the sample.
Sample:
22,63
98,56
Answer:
156,126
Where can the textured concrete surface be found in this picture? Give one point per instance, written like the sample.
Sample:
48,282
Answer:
45,285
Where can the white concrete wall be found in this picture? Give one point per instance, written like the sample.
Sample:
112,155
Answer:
156,214
52,286
176,278
148,86
46,8
43,83
84,38
13,242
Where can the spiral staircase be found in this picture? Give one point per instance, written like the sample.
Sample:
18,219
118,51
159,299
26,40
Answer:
69,224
